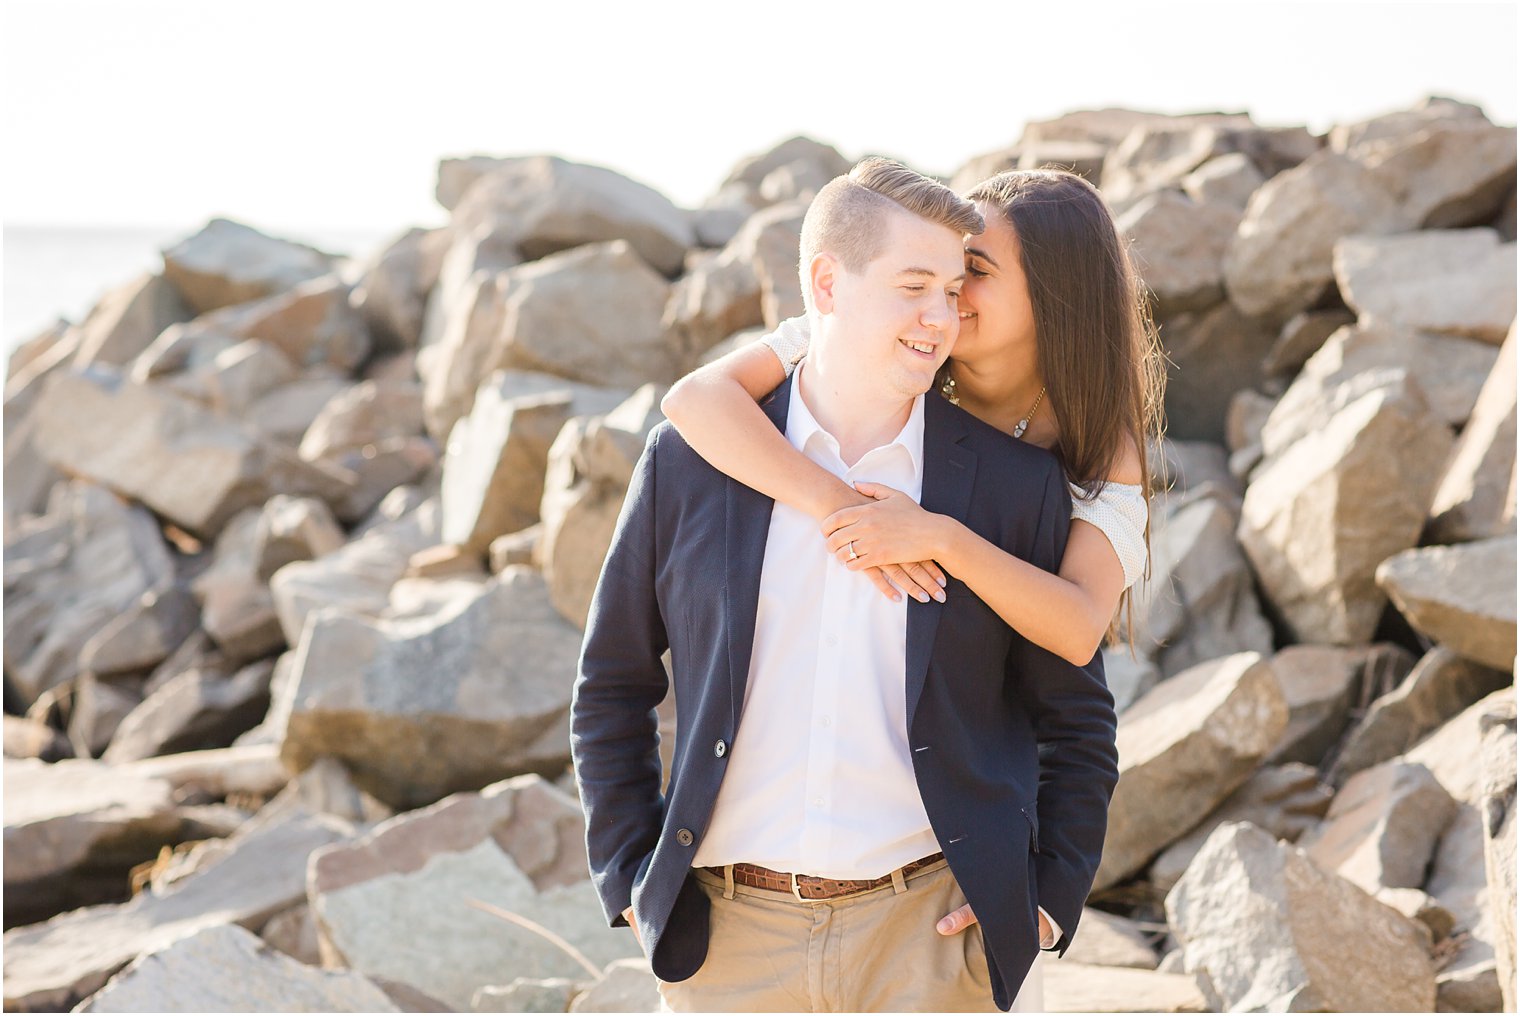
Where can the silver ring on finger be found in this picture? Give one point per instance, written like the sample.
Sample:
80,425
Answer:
853,556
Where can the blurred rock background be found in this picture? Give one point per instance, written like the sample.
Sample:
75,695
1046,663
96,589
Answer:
298,550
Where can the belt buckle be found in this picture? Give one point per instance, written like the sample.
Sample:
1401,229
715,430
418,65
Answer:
796,890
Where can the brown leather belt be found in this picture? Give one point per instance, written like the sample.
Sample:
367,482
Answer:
815,887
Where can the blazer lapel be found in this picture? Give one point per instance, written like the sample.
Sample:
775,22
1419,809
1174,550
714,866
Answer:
949,475
746,525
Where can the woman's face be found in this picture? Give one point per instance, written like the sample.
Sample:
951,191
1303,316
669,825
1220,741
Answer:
996,316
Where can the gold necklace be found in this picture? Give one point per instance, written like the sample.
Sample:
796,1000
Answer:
948,391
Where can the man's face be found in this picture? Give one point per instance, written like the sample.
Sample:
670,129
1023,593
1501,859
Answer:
895,321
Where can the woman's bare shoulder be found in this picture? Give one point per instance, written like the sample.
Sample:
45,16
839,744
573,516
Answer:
1127,468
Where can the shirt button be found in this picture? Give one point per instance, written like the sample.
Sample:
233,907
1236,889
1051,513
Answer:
720,749
832,639
818,802
684,837
827,721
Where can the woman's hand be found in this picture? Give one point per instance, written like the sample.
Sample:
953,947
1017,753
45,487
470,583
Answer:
892,539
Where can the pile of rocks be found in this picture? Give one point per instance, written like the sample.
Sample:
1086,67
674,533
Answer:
288,670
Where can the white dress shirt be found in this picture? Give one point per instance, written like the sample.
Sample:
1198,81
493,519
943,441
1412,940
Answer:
820,780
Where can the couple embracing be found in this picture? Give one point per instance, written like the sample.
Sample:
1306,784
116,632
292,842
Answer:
882,547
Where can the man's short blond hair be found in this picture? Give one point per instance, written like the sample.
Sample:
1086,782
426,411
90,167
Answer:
846,219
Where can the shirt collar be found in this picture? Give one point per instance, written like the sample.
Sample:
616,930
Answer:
802,426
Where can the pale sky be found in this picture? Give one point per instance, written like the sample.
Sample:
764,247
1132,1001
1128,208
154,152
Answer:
293,113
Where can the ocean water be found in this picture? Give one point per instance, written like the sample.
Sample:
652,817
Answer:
61,271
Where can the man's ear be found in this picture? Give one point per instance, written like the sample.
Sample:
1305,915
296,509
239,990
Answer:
823,276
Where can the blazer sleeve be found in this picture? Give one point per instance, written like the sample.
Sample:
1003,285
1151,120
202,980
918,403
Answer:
614,730
1075,726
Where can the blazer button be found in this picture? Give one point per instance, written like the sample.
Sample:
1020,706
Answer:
684,837
720,749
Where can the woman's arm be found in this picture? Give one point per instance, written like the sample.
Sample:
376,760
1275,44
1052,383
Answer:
1067,613
715,409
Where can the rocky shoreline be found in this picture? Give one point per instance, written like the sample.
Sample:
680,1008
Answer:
298,552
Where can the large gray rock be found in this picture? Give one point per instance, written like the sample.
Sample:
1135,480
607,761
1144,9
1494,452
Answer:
590,466
1274,932
1321,684
311,323
1108,940
1456,281
227,969
500,706
144,635
1156,157
1325,513
1085,987
517,846
1213,353
1432,111
1286,801
126,320
1450,751
1449,371
193,710
364,414
1439,687
1180,246
1280,261
1226,181
1301,337
391,293
1200,601
1382,827
543,204
1453,172
67,575
74,828
256,873
1462,597
627,985
1498,760
236,608
1468,980
493,469
172,455
28,738
1183,748
228,262
525,994
1473,499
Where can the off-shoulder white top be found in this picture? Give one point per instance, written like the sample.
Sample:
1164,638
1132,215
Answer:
1118,511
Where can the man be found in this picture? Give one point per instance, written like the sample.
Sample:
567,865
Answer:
847,770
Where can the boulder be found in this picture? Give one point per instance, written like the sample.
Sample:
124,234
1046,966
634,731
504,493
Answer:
1472,499
543,204
1498,762
1448,371
364,414
1286,801
1462,597
68,573
1212,353
1455,172
97,705
1274,932
1280,262
1468,980
753,169
227,969
1321,516
293,529
493,470
27,738
227,263
525,994
516,846
1108,940
1127,674
172,455
1225,181
1183,748
191,711
391,293
454,304
127,319
515,548
1439,687
311,323
1321,685
590,466
370,692
627,985
1302,337
294,933
1152,157
237,610
1455,281
1179,246
285,414
1200,600
777,233
1382,827
1084,987
144,635
256,873
74,828
1432,111
1449,751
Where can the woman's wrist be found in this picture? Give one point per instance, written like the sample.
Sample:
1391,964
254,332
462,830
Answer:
831,495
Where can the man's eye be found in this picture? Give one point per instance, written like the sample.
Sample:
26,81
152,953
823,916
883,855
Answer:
914,289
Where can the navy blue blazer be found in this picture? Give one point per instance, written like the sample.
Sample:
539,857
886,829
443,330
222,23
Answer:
1013,747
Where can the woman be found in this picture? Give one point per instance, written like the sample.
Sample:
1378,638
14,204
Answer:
1055,349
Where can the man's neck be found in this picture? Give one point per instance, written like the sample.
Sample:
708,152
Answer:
858,418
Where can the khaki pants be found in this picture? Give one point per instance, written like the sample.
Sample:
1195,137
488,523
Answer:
871,952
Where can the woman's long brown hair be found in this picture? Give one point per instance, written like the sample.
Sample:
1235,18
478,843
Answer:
1097,348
